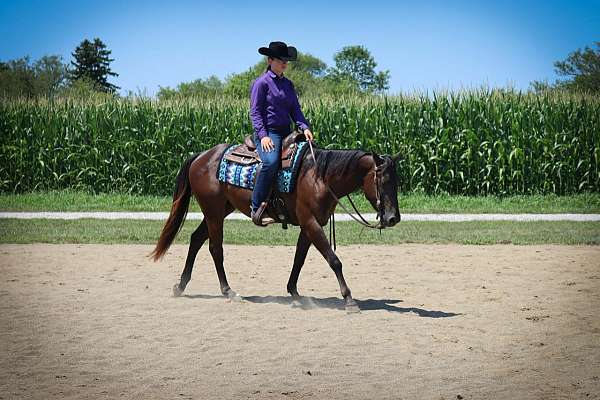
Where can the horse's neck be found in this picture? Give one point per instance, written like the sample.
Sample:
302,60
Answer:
350,181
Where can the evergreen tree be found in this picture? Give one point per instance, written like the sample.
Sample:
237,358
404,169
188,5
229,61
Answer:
92,62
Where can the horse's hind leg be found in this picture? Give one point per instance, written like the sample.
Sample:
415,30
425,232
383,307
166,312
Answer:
196,241
301,249
215,246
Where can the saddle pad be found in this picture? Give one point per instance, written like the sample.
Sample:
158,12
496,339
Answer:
244,176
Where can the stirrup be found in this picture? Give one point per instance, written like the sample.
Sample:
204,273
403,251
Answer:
257,217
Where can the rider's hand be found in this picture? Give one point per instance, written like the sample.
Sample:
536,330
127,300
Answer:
308,134
267,144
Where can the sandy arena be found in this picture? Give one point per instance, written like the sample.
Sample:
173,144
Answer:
437,322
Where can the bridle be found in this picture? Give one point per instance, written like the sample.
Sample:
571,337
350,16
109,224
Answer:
362,220
379,203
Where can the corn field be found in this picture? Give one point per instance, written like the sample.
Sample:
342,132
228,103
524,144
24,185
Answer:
473,143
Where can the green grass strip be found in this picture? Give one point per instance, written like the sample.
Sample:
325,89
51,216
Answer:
411,203
244,232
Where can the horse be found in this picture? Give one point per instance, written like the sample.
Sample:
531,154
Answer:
323,177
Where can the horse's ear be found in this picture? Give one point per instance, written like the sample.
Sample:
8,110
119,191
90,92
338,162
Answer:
396,157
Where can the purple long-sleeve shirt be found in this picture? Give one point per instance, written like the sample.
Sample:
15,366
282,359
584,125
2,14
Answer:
273,101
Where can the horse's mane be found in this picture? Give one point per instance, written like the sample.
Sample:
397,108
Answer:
332,162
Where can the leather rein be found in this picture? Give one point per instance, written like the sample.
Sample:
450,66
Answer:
362,220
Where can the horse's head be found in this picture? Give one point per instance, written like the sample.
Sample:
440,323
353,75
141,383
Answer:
380,186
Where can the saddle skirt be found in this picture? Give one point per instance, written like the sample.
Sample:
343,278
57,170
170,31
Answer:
240,163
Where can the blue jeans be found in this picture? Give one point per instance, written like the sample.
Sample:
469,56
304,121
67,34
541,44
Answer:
270,165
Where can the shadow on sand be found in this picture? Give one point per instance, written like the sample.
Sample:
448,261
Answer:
335,303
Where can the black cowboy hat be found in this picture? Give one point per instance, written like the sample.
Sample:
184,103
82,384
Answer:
280,50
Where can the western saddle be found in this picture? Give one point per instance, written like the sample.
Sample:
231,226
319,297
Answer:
246,153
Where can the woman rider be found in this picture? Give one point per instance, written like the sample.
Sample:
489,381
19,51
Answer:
273,101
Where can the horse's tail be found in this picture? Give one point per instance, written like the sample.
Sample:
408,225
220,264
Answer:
179,209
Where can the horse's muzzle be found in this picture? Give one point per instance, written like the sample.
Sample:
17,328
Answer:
390,220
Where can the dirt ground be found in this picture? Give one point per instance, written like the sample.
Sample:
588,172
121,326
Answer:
437,322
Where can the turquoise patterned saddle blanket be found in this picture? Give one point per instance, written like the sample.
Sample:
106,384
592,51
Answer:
244,175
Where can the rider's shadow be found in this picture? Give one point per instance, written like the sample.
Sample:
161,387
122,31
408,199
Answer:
335,303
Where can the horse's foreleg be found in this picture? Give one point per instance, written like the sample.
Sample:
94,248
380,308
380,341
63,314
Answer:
196,241
317,237
301,249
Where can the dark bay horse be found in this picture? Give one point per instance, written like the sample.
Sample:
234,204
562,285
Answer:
309,206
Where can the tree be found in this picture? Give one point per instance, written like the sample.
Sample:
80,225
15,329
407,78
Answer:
92,61
50,75
310,75
198,88
309,64
83,89
355,63
307,73
581,69
16,78
21,78
238,85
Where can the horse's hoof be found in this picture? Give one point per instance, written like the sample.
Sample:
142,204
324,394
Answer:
296,303
233,296
177,291
237,298
352,308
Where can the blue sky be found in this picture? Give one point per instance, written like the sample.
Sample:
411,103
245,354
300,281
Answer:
426,45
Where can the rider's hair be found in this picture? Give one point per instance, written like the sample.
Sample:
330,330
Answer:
268,65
